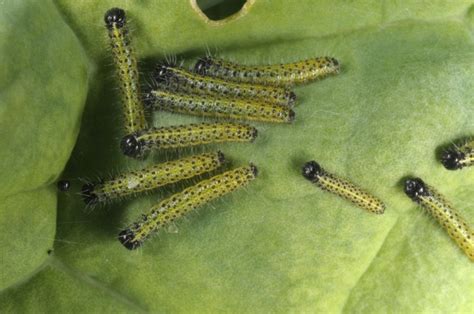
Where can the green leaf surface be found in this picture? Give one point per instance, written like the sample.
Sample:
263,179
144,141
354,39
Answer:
44,83
281,245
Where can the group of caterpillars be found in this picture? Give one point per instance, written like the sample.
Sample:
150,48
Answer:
453,158
215,88
222,89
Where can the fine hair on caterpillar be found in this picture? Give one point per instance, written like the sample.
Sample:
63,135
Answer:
341,187
443,212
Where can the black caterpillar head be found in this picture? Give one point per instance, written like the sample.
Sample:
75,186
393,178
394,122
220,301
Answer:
148,99
311,170
64,185
451,159
415,188
114,16
202,65
162,73
126,238
88,195
131,146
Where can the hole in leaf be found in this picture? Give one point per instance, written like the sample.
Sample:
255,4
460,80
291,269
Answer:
216,10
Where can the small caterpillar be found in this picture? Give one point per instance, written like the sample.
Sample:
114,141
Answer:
234,108
151,177
178,79
126,66
458,157
136,144
329,182
277,74
182,203
456,226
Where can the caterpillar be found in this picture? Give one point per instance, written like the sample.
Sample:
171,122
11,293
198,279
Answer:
127,71
433,202
151,177
458,157
182,203
278,74
178,79
329,182
234,108
137,144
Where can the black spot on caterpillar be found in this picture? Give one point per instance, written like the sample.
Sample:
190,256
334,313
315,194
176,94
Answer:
137,144
446,215
277,74
329,182
180,204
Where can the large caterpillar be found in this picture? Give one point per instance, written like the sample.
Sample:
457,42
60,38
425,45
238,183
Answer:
182,203
136,144
233,108
276,74
458,157
178,79
329,182
447,216
127,71
151,177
